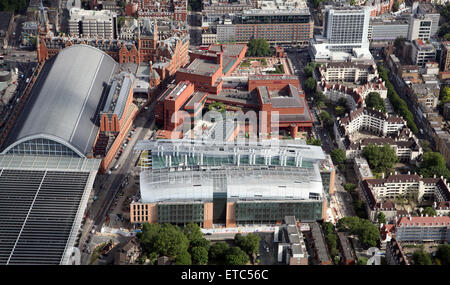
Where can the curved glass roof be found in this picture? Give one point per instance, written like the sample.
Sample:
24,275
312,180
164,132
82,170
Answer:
65,99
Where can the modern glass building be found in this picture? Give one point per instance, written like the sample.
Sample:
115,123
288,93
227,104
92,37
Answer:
228,183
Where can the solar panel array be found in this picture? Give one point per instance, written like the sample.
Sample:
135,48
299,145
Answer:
37,213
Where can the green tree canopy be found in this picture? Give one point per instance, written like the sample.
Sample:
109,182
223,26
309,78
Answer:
349,187
362,261
217,252
248,243
313,141
164,239
310,85
374,101
429,211
367,232
199,255
421,257
192,231
339,110
381,217
338,155
200,242
236,256
184,258
445,94
443,254
13,5
258,48
433,163
380,158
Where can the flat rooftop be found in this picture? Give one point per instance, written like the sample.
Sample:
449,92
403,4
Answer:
203,66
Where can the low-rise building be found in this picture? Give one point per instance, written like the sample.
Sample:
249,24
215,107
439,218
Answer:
319,246
127,253
345,247
394,253
291,249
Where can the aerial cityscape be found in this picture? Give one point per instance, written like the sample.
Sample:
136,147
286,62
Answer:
225,132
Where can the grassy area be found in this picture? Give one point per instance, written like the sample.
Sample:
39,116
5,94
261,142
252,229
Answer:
245,63
96,253
279,69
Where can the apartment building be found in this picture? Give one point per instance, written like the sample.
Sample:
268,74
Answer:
89,23
369,120
412,186
414,229
349,72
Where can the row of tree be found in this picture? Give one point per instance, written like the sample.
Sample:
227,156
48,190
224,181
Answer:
188,246
398,103
331,239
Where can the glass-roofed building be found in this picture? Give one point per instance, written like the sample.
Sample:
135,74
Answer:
229,183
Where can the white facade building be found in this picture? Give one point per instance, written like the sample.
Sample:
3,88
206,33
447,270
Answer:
89,23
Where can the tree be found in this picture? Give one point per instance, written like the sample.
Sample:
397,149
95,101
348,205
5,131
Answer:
433,164
339,110
374,101
399,104
199,255
338,155
200,242
362,261
184,258
313,141
367,232
381,218
421,257
218,251
308,71
192,231
259,48
249,243
443,254
429,211
311,85
352,2
236,256
13,5
349,187
164,239
380,158
445,94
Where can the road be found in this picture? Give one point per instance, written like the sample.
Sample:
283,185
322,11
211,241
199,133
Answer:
106,186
